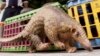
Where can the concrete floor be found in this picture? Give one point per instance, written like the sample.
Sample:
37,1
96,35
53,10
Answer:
96,52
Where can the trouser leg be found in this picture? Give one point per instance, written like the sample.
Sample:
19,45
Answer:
5,14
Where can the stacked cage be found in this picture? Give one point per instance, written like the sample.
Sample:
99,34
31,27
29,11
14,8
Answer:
14,26
88,15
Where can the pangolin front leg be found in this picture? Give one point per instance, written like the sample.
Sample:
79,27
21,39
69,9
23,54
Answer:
34,28
70,47
65,37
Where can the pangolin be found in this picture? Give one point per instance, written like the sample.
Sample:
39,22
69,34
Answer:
60,29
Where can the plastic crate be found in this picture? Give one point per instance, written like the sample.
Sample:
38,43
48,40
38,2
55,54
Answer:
78,45
97,40
93,42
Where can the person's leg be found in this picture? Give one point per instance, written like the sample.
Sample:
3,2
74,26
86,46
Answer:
9,12
17,10
1,14
5,15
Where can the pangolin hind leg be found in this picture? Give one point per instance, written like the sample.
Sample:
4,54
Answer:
39,45
31,49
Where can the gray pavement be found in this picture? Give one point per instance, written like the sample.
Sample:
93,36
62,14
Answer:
96,52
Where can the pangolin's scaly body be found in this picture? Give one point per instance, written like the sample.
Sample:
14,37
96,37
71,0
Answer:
54,21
